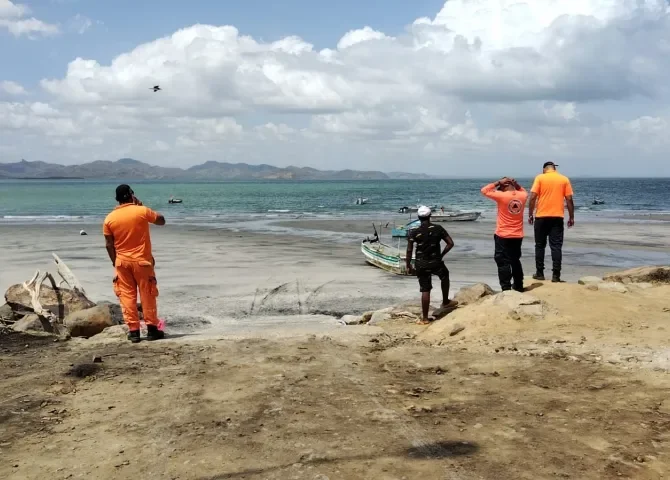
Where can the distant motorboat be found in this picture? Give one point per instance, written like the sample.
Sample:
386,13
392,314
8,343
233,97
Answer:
597,201
407,209
361,201
175,200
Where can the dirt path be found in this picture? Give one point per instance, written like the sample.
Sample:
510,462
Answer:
321,409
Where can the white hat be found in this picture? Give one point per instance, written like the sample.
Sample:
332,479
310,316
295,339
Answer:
424,212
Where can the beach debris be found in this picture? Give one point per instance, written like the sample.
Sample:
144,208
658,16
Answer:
590,280
36,306
456,329
97,359
648,274
82,232
472,294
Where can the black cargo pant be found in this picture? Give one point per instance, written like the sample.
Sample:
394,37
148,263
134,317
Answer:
508,258
551,228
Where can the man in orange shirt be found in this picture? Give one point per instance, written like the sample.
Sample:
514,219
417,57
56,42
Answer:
128,243
550,193
511,199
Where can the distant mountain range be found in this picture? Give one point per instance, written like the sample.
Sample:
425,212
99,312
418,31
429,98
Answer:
130,169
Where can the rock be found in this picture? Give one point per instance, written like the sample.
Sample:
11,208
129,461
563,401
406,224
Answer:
380,316
457,328
89,322
97,359
61,302
613,287
590,280
352,320
472,294
111,334
592,287
407,309
367,316
650,274
519,304
33,323
7,314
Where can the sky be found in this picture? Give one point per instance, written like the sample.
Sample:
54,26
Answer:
462,87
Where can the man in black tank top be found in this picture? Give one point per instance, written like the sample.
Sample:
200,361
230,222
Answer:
428,239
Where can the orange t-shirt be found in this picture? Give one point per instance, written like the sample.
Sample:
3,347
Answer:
510,210
551,189
129,225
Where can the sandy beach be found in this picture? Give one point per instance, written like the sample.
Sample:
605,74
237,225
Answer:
308,273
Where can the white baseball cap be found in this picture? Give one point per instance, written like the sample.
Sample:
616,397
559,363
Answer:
424,211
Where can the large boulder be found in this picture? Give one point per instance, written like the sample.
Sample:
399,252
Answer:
380,316
59,301
651,274
472,294
519,305
33,323
89,322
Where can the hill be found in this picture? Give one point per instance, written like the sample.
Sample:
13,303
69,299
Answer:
131,169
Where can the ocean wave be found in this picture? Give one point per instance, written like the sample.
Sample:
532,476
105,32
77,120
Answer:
279,211
45,217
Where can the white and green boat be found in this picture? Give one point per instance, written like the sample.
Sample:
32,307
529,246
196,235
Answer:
384,256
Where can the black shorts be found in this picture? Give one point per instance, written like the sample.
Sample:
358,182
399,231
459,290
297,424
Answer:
425,275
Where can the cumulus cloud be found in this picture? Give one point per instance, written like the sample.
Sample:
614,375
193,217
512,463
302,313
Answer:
480,79
12,88
14,18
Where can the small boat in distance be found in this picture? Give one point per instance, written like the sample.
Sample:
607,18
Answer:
361,201
175,200
597,201
455,216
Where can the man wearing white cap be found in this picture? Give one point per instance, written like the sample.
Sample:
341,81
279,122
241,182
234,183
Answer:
428,238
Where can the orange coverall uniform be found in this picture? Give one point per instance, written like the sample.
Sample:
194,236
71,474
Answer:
129,225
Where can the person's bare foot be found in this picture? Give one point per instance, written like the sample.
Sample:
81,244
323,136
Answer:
425,321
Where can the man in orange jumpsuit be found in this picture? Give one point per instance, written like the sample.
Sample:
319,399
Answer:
128,243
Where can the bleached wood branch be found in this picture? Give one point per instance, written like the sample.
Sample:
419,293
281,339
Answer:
33,287
69,277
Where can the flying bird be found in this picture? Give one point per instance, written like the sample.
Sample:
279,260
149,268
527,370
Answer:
155,88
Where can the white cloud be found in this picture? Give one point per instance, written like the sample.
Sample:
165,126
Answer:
12,88
483,79
14,18
80,24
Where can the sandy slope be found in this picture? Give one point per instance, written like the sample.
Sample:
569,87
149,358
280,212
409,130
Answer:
359,405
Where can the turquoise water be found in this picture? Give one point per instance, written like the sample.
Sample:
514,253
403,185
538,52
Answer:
78,201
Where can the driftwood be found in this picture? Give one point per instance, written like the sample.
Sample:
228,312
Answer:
67,276
35,284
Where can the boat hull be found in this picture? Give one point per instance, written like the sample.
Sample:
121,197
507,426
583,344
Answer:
456,217
384,257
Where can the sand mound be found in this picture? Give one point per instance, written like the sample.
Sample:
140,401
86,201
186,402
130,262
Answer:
501,314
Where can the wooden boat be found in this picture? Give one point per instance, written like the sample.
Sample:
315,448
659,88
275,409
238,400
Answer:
455,217
384,256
